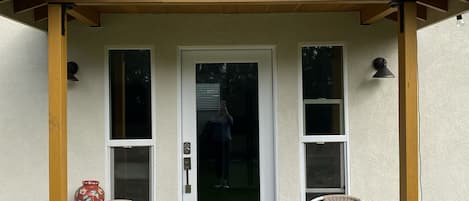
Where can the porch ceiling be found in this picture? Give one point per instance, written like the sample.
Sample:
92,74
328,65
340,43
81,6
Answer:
227,8
89,11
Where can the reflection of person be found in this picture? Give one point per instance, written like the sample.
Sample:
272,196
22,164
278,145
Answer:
221,128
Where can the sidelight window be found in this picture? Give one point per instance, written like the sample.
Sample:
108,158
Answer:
323,137
130,142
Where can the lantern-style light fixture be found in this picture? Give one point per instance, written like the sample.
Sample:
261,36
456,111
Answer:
380,64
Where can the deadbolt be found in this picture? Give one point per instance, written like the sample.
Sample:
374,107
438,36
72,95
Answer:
187,148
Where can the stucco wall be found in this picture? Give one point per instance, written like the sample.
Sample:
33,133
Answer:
372,108
23,112
444,110
372,103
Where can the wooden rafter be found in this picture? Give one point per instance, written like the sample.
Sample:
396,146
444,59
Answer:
192,2
20,6
85,15
421,14
40,14
374,13
370,10
439,5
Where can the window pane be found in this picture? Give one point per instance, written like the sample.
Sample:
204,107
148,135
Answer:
131,173
322,72
322,119
130,87
324,165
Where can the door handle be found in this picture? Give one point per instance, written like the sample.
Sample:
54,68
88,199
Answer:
187,167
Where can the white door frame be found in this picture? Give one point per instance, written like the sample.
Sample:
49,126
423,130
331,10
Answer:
265,194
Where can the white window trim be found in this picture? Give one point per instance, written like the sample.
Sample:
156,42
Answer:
109,144
303,139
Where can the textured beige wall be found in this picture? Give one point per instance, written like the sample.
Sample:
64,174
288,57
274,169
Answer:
373,118
372,105
23,112
444,110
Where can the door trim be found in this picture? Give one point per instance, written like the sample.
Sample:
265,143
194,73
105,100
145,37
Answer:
271,48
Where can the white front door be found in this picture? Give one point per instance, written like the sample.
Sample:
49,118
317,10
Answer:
227,125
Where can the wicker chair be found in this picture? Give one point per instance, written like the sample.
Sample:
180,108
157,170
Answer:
336,198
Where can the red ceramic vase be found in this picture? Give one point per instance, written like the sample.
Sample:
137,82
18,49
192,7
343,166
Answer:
89,191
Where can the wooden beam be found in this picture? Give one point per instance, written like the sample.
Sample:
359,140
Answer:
408,102
20,6
85,15
40,14
439,5
373,13
192,2
392,17
57,55
421,13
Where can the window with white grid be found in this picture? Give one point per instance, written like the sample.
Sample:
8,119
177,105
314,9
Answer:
323,138
130,141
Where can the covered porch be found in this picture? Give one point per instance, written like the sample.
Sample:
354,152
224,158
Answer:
408,17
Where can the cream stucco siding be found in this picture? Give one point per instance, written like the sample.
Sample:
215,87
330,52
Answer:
444,110
23,112
372,103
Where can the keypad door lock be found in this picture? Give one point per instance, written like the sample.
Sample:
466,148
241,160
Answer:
187,148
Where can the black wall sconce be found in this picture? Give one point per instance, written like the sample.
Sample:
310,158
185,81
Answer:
380,64
72,69
459,21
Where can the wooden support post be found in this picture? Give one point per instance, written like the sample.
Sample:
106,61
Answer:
408,102
57,44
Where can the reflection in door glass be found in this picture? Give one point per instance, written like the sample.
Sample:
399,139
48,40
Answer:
227,132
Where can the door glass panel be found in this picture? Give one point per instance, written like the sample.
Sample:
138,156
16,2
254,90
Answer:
227,132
